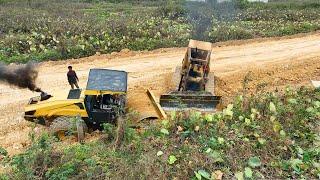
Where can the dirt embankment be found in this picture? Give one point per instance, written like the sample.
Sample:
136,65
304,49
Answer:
269,63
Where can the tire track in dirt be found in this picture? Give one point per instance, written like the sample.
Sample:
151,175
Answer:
276,62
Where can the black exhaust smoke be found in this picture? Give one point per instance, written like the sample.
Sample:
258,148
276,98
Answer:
22,76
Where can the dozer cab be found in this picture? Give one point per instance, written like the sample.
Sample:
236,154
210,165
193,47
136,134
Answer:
103,101
195,89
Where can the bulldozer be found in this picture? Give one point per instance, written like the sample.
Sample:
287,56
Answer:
102,101
194,81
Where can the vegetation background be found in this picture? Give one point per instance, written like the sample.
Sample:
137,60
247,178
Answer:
41,30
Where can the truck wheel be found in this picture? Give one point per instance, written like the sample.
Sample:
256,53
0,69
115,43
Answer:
65,125
62,123
81,130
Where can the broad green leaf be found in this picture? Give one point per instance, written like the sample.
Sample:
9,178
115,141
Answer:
300,150
254,162
159,153
309,109
282,133
33,49
220,140
216,155
272,118
42,46
172,159
204,174
228,111
247,121
208,118
252,116
261,141
276,126
295,165
165,123
239,175
208,150
259,175
164,131
254,111
230,106
55,39
198,176
248,172
272,107
240,98
292,101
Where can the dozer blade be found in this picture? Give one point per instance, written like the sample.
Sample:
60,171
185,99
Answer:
202,101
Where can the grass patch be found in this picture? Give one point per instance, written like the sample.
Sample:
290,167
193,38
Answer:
269,135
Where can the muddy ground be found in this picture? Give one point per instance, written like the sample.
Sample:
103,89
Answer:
271,63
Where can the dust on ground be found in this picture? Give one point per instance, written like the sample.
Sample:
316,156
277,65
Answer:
271,63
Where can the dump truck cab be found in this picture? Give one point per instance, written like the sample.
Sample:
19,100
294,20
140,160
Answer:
102,101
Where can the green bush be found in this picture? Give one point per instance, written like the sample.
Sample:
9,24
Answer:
3,152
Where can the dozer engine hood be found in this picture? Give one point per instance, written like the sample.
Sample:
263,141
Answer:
69,107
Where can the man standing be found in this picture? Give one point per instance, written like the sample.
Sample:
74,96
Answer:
72,78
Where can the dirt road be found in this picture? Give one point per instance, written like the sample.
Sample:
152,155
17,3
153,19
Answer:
271,62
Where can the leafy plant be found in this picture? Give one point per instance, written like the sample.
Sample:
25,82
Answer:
3,151
172,159
254,162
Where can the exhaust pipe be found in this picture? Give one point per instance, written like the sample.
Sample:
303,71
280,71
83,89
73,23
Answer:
44,96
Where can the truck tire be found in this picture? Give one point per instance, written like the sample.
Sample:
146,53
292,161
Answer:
62,123
81,130
66,125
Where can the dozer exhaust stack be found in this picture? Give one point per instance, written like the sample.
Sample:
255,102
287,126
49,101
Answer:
176,101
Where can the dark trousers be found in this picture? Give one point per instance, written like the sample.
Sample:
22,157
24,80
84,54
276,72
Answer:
74,84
